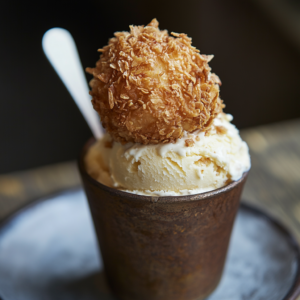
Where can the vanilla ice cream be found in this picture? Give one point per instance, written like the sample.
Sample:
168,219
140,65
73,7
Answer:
198,162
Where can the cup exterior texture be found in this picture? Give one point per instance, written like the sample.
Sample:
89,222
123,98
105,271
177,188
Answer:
162,248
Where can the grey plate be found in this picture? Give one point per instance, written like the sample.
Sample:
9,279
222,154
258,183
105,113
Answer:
48,250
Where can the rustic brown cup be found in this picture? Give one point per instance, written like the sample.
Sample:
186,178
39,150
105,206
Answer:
162,248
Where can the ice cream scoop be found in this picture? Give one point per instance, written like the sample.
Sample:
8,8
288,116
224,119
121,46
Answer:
196,163
150,88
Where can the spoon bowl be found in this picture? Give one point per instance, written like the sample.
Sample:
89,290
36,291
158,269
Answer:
60,49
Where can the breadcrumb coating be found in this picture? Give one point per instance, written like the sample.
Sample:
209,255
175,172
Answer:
149,87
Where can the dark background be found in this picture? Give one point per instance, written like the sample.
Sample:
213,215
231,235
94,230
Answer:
39,123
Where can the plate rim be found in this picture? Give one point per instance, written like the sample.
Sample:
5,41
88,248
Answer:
292,294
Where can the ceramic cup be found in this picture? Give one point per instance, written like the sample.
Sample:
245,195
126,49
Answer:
162,248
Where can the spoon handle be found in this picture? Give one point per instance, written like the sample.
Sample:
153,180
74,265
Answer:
61,51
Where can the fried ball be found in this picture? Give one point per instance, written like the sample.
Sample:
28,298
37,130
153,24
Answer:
149,87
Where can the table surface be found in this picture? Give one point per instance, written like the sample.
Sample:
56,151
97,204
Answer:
273,184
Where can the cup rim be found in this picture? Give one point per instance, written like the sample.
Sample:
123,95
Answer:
145,198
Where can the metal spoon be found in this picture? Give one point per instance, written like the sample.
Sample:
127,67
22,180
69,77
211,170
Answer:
60,49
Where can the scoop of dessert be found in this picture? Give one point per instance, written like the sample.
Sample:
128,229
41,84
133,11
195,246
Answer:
152,88
196,163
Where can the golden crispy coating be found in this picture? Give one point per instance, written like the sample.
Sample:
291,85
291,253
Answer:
149,87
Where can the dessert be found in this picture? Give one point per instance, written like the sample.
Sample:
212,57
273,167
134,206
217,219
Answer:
195,163
160,105
172,167
149,87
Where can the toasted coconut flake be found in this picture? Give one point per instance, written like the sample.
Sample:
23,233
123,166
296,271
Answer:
111,99
124,96
221,130
103,77
189,143
149,87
